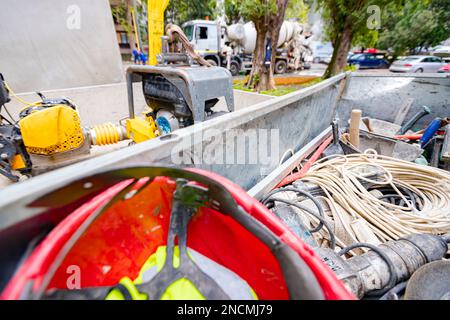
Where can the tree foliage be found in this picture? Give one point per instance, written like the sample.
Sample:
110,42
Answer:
180,11
416,25
298,10
255,10
119,13
366,40
232,11
347,21
405,25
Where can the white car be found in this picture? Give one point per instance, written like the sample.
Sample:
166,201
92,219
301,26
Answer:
441,51
412,64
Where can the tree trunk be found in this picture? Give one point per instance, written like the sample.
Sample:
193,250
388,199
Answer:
261,76
258,76
341,49
276,23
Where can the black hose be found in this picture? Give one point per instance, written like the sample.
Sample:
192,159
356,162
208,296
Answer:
392,274
408,194
322,220
9,114
393,293
268,198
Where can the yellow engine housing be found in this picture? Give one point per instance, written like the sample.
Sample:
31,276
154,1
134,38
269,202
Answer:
140,130
52,130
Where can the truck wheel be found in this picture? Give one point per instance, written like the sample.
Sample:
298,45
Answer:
234,68
212,62
280,66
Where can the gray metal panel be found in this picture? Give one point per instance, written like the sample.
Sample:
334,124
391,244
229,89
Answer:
271,181
299,117
380,96
197,84
41,46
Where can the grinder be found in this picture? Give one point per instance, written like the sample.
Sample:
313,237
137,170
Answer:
390,263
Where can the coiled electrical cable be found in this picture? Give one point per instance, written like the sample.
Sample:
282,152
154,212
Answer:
425,207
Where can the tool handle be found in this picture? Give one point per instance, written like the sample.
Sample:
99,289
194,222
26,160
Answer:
355,119
335,128
408,125
446,145
430,131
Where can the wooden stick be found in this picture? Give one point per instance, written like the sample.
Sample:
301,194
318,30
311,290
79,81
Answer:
355,119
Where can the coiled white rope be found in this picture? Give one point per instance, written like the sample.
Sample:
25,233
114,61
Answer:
340,177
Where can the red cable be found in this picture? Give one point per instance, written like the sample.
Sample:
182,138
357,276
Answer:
408,136
301,173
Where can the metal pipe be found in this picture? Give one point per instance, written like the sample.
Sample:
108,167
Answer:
130,95
408,125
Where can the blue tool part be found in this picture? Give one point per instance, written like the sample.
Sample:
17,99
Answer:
430,131
163,125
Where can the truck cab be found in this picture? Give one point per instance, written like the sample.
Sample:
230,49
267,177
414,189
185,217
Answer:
204,36
211,40
208,37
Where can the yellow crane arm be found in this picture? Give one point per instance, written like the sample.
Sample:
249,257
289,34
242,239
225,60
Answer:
135,25
155,11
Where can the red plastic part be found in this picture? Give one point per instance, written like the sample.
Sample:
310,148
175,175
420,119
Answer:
408,136
121,240
295,176
332,287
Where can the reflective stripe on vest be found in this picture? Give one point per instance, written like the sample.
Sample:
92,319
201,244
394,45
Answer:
234,286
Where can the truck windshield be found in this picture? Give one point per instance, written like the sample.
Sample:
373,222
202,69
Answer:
188,31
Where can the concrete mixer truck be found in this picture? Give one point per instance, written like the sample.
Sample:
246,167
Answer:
232,46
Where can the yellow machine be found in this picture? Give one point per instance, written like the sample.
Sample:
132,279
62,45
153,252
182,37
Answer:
49,134
55,128
52,130
155,11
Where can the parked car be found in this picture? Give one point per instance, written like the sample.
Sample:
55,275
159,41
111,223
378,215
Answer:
368,61
445,69
441,51
417,64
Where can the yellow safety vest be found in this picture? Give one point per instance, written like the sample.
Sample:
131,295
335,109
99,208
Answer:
182,289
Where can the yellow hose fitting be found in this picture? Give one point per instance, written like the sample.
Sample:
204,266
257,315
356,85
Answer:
107,133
